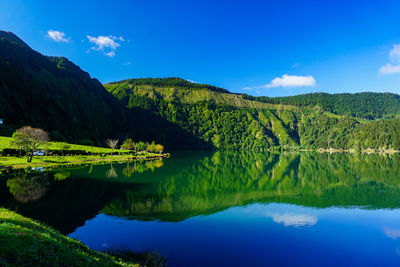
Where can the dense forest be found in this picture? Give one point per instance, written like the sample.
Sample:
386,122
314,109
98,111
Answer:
362,105
54,94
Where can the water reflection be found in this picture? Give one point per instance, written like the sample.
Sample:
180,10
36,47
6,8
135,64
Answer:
111,173
199,184
262,209
27,188
226,179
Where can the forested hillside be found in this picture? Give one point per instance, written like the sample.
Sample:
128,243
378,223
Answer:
54,94
230,121
361,105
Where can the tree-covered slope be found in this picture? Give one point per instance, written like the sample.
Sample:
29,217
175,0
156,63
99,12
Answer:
176,89
218,126
230,121
362,105
54,94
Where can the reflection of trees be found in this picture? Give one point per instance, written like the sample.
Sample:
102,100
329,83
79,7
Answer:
140,167
111,173
26,188
154,164
128,171
60,176
229,179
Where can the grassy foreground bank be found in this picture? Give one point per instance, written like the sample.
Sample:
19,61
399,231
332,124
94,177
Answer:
26,242
6,142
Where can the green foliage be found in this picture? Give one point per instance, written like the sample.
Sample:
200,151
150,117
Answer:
128,144
141,146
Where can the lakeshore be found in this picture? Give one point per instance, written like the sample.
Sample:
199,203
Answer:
59,161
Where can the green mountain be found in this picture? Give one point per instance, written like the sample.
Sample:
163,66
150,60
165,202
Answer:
54,94
222,119
232,121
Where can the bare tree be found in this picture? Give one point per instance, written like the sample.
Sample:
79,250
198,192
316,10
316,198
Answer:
112,143
29,139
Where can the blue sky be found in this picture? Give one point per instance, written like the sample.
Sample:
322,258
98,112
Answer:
259,47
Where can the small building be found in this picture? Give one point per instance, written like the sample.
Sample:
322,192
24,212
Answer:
1,121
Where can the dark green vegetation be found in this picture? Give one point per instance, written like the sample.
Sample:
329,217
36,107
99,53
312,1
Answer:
25,242
361,105
197,184
54,94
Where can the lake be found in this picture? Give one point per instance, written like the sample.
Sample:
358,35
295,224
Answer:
225,208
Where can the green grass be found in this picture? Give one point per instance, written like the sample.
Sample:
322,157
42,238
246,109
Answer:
55,161
26,242
6,142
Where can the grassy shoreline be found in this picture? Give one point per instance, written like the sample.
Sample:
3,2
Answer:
56,161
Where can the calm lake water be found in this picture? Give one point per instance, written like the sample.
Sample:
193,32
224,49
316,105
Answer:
225,208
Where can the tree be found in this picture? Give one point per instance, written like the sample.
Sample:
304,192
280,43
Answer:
141,146
29,139
112,143
128,144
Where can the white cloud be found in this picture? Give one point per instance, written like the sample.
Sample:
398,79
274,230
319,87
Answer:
389,69
295,220
110,54
392,233
103,43
191,81
394,56
287,81
57,36
291,81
